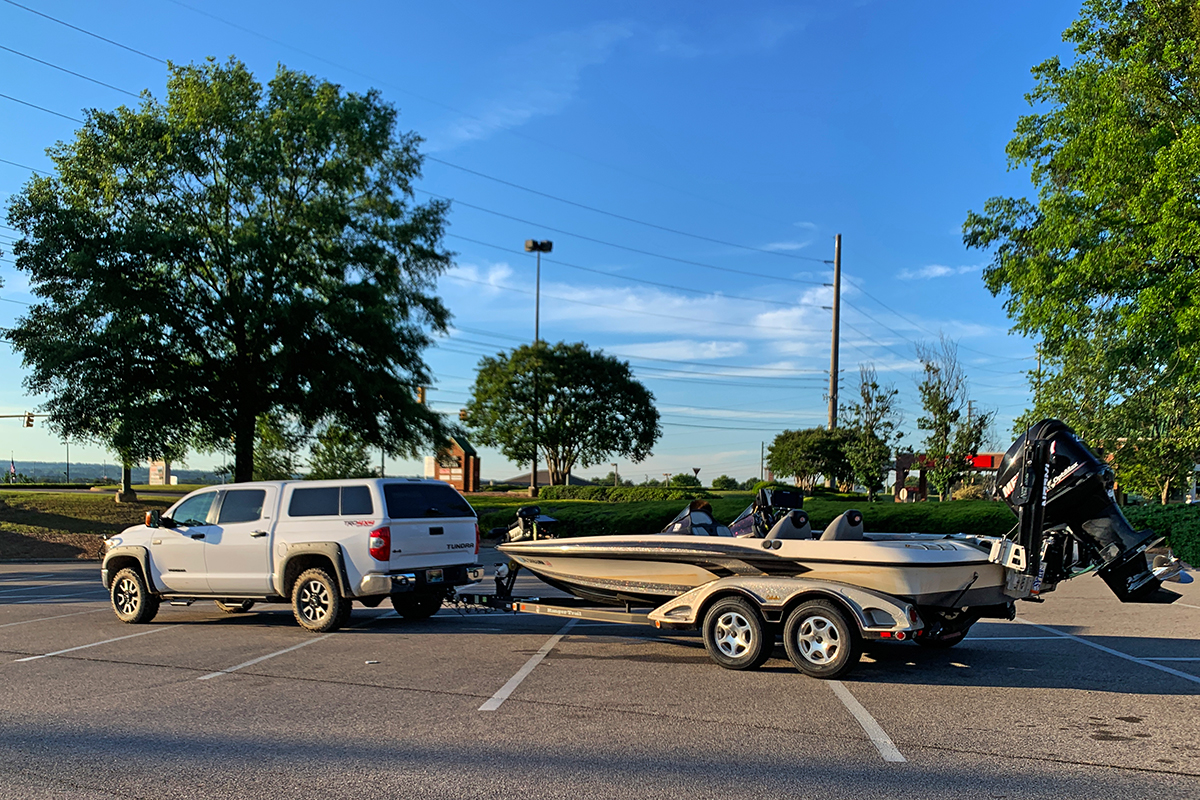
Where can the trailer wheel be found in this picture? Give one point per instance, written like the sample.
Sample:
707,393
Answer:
735,635
820,641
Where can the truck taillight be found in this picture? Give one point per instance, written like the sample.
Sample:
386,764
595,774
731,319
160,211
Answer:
380,544
476,538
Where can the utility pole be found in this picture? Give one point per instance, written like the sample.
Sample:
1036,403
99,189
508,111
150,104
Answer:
762,459
539,247
837,315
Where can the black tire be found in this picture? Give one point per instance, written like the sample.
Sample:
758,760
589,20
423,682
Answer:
235,606
416,606
317,603
131,599
943,642
736,636
820,640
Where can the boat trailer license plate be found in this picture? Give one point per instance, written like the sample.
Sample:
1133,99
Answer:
433,576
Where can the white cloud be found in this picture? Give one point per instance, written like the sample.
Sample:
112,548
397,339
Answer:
934,271
786,246
685,349
492,276
541,77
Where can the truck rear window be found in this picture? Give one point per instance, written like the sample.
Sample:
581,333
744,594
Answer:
419,500
322,501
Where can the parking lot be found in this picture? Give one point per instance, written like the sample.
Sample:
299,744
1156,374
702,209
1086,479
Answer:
1080,697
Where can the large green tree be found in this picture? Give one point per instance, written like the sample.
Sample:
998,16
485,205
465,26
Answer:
232,251
955,429
873,422
589,407
1103,266
809,454
338,452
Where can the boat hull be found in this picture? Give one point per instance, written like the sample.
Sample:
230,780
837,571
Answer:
651,570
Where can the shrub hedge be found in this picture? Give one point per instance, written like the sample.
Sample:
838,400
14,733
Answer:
621,494
1180,524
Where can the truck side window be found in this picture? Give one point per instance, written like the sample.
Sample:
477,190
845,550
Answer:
194,510
242,505
356,501
315,502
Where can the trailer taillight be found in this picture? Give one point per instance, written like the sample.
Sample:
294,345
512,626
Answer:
380,543
476,538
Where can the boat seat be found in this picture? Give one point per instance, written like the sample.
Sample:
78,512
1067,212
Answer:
793,525
848,527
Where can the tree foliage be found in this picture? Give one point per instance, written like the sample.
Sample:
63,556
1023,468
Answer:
589,407
955,432
277,449
233,251
685,481
809,454
1102,268
338,452
874,420
725,483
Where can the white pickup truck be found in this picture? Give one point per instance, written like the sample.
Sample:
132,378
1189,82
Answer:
320,545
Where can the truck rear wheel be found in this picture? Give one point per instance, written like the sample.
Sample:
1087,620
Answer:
415,606
317,603
820,641
131,598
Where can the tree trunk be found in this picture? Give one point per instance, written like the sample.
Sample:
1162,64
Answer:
126,493
243,447
1166,491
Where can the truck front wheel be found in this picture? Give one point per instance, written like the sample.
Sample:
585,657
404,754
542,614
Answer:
131,598
317,603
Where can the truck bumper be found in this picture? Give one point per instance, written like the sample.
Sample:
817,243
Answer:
418,580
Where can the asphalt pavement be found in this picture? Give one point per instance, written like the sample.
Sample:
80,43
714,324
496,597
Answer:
1081,697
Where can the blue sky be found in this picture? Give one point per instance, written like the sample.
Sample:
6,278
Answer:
766,127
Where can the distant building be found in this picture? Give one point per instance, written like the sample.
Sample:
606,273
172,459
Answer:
458,465
543,478
160,473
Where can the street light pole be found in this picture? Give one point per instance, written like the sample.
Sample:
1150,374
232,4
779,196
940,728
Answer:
539,247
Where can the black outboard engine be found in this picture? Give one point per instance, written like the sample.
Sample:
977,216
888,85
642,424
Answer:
1051,462
531,524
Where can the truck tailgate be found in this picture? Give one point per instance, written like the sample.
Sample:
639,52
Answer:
430,524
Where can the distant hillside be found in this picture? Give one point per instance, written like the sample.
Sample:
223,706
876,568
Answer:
56,472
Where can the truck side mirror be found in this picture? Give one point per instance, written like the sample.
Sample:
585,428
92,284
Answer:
153,518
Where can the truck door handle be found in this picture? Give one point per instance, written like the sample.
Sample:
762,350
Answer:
197,535
257,534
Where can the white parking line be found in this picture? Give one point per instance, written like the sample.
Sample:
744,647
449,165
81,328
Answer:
1144,662
44,598
95,644
882,742
57,616
35,588
1173,659
1009,638
261,659
1189,605
28,577
507,689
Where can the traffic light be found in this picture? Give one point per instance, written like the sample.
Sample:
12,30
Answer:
421,395
28,419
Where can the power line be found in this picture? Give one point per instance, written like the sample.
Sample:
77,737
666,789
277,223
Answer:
69,72
643,358
22,166
39,108
85,31
625,310
625,218
635,280
614,244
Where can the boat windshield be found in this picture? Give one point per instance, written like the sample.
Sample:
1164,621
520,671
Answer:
697,520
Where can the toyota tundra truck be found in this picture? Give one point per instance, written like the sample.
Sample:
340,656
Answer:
319,545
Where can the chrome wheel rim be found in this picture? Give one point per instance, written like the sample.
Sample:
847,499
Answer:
314,600
126,596
733,634
818,640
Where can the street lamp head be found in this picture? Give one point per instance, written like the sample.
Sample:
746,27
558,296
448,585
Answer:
534,246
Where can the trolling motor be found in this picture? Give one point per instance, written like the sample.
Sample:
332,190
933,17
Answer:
1062,495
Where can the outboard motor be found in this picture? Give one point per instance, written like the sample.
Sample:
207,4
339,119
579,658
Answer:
531,524
1052,481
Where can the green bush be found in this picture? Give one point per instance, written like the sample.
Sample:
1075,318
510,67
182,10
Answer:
723,483
620,494
772,485
1179,523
